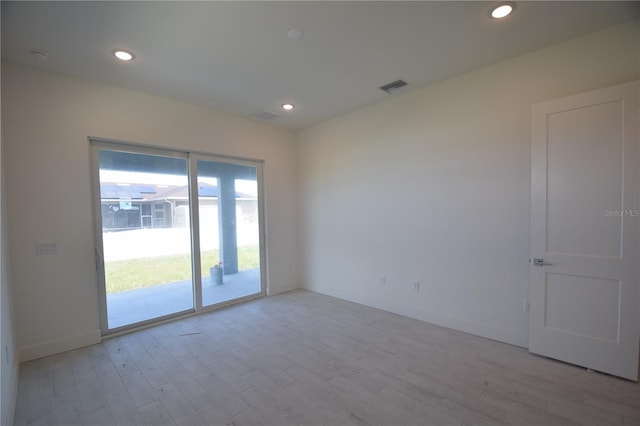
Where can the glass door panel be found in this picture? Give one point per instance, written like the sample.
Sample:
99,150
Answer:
229,231
146,239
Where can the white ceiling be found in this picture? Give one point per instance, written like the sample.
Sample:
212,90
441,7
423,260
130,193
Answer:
236,56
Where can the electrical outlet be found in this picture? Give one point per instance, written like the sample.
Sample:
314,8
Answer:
525,306
383,280
416,285
46,248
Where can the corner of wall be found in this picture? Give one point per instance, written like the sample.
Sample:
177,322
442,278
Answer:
10,353
9,358
8,415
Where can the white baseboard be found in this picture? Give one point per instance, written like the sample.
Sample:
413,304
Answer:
62,345
488,331
500,334
273,292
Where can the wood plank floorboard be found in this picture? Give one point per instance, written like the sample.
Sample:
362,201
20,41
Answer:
303,358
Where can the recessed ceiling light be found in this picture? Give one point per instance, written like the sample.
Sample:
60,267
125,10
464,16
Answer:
288,107
123,55
502,10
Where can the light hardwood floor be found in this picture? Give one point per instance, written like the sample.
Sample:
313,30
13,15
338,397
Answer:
304,358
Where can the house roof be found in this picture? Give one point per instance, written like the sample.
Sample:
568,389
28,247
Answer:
150,192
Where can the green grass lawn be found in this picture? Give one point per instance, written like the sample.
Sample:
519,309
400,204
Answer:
123,275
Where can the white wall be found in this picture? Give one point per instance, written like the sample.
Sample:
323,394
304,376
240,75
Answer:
8,359
433,186
47,119
9,367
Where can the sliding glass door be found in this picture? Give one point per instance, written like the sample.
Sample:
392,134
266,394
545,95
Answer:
229,231
175,233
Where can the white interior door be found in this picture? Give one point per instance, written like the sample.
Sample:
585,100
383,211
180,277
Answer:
585,233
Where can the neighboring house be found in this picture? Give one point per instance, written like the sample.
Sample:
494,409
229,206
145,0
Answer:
138,206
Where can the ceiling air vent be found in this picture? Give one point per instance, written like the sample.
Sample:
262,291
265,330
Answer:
394,86
265,115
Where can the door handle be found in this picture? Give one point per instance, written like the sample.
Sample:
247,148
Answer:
540,262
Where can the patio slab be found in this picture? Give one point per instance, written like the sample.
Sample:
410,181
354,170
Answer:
129,307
